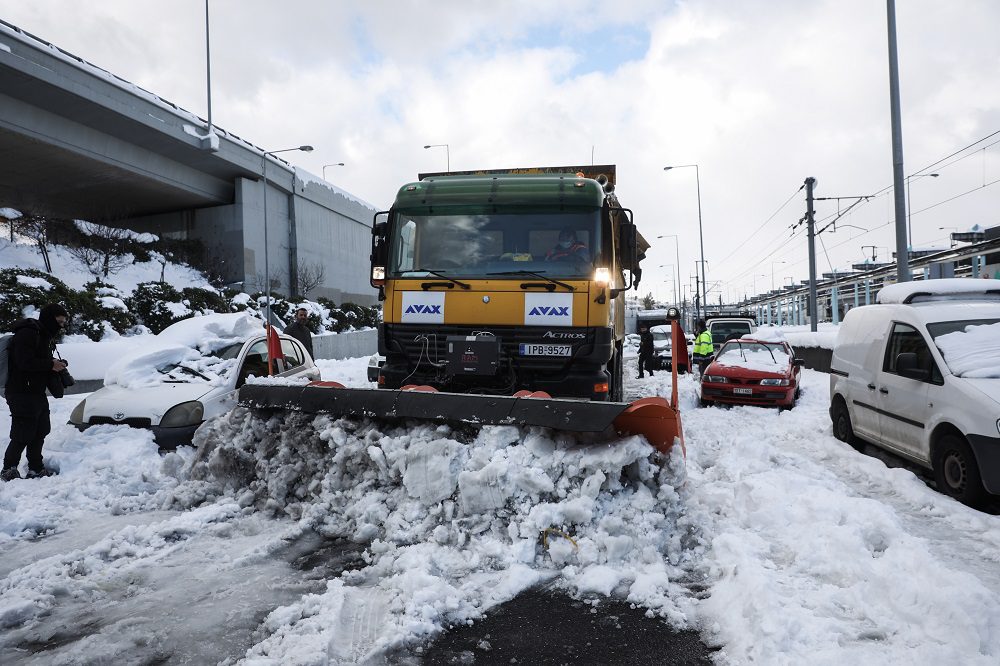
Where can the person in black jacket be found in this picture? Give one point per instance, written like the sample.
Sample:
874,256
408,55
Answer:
645,351
299,329
30,367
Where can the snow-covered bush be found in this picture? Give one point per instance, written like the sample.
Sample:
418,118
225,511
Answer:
158,305
24,290
111,315
205,301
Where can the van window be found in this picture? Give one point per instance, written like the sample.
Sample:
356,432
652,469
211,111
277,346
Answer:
906,339
728,330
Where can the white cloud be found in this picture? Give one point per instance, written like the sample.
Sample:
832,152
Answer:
761,94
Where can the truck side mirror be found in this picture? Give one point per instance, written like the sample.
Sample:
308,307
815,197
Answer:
380,252
907,366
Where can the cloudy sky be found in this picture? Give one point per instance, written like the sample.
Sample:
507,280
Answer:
759,93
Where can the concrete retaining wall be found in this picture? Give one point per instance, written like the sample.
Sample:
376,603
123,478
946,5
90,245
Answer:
346,345
816,358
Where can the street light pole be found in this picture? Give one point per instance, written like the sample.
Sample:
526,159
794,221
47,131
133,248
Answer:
677,258
671,280
701,237
447,152
772,271
909,210
330,165
267,263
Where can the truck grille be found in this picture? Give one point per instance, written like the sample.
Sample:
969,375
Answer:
411,338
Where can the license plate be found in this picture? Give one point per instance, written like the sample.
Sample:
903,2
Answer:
743,391
546,350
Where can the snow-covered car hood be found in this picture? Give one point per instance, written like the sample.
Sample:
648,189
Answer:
990,386
119,403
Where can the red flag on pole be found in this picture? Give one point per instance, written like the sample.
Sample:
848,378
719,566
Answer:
275,358
679,344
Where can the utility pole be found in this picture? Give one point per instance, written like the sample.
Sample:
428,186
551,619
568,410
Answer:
899,194
811,226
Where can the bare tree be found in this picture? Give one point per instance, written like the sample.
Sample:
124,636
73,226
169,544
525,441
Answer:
257,282
106,253
311,275
36,228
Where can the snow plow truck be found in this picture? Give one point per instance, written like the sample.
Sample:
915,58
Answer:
503,303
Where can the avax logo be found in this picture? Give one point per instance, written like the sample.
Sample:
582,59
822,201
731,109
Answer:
545,310
423,309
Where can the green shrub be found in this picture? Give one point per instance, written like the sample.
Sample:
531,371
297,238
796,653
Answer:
205,301
158,305
17,294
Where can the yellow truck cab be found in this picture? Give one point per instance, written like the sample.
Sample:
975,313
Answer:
499,281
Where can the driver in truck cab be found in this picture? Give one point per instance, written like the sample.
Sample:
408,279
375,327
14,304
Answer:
568,248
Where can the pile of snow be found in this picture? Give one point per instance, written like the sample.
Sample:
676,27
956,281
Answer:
23,253
974,352
799,336
751,356
455,522
189,343
93,229
946,288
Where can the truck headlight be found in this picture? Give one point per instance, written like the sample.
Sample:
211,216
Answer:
184,414
76,416
715,379
602,276
774,381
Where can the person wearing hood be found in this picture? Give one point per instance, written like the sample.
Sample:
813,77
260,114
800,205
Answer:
31,366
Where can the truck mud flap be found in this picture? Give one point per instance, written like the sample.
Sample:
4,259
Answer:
653,418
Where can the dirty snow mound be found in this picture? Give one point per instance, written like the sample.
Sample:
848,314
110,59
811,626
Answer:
456,521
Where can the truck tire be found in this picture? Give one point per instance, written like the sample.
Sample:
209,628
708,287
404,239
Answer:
957,472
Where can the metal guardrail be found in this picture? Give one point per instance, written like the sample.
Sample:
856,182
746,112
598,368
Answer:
881,273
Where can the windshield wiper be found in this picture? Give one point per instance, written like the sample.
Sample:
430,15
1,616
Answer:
439,274
191,370
537,275
768,348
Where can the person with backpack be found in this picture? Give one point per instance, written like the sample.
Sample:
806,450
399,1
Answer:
30,369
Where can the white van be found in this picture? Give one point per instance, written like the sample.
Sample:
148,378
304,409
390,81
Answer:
919,374
724,329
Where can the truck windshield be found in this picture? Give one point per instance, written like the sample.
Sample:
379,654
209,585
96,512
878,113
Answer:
557,244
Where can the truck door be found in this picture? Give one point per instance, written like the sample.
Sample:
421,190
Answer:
904,409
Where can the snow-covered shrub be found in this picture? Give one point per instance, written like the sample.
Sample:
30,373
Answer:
158,305
23,290
112,313
205,301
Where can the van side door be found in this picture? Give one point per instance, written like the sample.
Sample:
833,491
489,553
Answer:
904,404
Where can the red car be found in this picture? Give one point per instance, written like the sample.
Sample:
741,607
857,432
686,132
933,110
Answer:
752,372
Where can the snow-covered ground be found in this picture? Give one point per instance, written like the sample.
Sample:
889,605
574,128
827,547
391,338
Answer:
778,542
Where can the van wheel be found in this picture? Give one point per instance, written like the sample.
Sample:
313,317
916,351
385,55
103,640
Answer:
956,471
706,403
842,428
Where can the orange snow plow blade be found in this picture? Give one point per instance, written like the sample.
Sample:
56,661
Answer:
653,418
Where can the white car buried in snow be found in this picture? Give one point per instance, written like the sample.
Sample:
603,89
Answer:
183,387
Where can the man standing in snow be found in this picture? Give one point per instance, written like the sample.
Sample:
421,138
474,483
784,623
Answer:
30,368
299,329
645,351
703,346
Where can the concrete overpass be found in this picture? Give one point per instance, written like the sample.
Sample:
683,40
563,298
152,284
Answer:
76,141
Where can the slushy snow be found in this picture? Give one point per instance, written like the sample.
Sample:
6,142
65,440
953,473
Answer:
776,541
